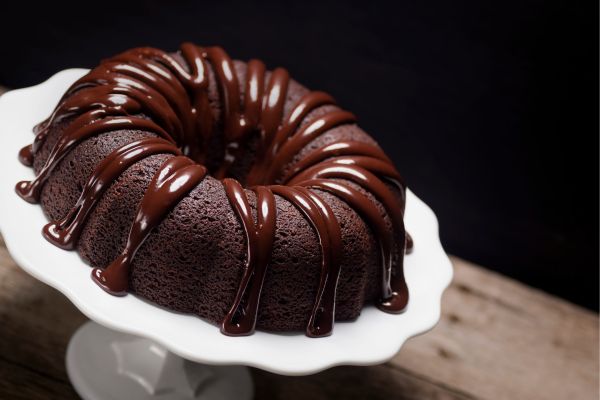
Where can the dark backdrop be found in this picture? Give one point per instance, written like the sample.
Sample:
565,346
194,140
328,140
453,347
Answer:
489,109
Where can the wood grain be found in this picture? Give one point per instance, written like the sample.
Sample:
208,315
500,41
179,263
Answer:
497,339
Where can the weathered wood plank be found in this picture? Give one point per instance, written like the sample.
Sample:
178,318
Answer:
382,382
24,382
497,339
36,321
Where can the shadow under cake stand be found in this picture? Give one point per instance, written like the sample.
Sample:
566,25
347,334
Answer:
135,350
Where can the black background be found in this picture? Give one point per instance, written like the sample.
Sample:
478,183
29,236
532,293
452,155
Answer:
489,109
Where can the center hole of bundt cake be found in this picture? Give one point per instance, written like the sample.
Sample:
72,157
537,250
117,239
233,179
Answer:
238,160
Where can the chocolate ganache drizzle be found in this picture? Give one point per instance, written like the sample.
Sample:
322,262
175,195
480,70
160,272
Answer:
150,90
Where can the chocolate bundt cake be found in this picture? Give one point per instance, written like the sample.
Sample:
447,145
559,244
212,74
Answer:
218,188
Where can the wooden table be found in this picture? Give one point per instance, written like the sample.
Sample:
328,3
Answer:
497,339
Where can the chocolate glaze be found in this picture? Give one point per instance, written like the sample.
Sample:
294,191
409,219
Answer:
88,124
307,103
327,228
395,293
26,155
342,148
359,174
173,180
65,232
241,318
149,90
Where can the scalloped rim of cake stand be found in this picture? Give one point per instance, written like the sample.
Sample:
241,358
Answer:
373,338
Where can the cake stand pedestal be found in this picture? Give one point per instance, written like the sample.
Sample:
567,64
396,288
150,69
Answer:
106,364
135,350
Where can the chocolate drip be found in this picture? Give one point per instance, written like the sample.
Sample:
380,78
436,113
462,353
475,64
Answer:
342,148
327,229
241,318
149,90
362,176
395,301
238,124
26,155
305,136
87,125
306,104
173,180
259,112
323,314
41,132
65,232
409,243
139,81
273,104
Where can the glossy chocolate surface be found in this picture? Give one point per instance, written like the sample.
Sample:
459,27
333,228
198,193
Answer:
150,90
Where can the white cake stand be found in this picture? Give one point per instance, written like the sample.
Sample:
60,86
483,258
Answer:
136,350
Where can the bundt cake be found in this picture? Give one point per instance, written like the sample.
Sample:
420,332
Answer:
218,188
